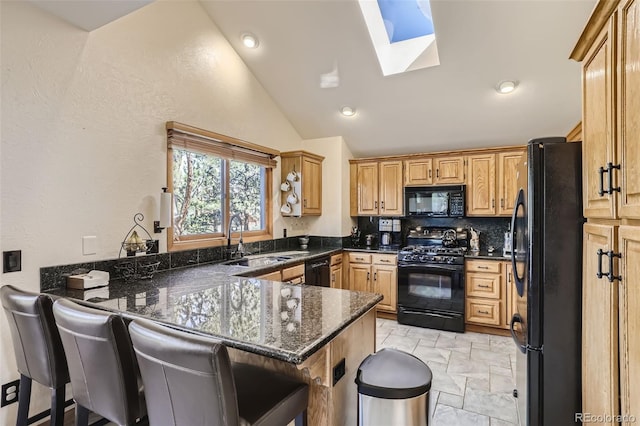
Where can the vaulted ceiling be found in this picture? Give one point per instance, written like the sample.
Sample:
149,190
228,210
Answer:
450,106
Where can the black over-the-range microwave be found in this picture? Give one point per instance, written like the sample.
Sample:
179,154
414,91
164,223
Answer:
435,201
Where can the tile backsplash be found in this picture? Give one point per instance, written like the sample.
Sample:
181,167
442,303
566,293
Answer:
56,276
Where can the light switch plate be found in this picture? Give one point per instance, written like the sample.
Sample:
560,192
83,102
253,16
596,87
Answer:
89,245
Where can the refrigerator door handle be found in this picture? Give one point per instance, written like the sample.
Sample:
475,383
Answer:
514,320
517,280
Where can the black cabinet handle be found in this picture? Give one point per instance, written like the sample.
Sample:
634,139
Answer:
601,190
611,255
610,168
382,205
437,172
429,173
610,275
368,274
375,276
599,274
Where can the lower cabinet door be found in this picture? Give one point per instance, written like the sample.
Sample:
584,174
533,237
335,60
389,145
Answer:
629,244
385,282
359,277
599,324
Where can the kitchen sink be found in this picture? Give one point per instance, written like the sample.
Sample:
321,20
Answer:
258,260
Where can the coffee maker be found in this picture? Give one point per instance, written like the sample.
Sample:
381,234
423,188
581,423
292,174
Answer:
389,232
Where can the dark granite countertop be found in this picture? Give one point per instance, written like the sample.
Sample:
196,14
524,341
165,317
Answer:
375,249
483,254
277,320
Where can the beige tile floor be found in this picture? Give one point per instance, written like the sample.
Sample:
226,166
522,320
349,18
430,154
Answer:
473,374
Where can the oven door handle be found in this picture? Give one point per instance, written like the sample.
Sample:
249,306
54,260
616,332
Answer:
432,267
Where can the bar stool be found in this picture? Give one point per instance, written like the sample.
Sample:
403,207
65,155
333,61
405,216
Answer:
102,366
190,380
38,350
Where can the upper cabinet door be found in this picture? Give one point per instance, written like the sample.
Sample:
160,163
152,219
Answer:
481,190
367,188
629,109
391,189
507,181
449,170
311,186
598,120
418,172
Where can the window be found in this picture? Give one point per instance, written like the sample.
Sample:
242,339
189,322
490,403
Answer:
213,179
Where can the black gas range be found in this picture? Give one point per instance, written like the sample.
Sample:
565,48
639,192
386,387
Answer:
431,279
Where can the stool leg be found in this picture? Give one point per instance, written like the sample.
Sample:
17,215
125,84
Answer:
301,419
57,406
82,415
24,399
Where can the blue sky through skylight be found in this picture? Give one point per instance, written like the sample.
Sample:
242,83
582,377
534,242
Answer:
406,19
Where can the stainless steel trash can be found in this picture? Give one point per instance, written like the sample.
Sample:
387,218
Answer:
393,389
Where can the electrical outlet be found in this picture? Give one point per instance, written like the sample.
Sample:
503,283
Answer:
339,371
9,393
12,261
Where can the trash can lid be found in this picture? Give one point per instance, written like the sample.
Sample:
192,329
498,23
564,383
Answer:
393,374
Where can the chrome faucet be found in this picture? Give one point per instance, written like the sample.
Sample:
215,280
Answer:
240,249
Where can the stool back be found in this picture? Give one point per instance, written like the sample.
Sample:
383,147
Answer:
188,378
104,373
35,337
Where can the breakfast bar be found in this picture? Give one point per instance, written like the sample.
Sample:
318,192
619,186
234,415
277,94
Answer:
315,334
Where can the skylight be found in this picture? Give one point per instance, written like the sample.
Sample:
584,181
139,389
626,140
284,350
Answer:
402,34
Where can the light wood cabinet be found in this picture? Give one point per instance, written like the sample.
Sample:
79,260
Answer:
377,273
418,171
391,193
628,112
336,271
598,125
309,169
486,293
378,188
449,170
481,188
492,183
507,181
271,276
629,305
610,119
599,325
609,49
290,274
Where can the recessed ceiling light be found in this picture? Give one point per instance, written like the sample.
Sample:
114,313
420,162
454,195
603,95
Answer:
249,40
505,87
347,111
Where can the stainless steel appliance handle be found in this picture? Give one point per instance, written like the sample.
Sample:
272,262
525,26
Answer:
514,320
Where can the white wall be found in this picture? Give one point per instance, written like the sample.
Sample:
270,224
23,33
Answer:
83,138
335,220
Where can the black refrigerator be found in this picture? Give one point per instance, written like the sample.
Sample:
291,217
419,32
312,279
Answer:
546,258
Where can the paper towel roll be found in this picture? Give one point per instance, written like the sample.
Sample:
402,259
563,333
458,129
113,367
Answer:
165,210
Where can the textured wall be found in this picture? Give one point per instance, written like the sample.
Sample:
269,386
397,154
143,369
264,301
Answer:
83,139
335,220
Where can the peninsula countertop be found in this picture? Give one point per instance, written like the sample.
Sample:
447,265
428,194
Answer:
277,320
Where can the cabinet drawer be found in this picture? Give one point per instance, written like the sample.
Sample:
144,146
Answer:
384,259
336,259
293,272
484,285
484,266
359,258
272,276
483,311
